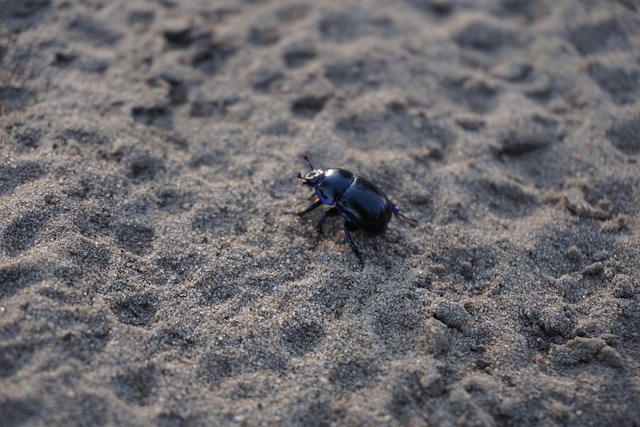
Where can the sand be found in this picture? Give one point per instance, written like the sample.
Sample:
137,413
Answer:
151,275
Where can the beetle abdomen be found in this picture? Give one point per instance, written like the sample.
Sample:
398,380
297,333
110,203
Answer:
365,205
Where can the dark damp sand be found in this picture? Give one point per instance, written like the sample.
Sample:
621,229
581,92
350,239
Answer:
150,276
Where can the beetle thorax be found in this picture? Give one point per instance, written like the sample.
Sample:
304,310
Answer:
334,182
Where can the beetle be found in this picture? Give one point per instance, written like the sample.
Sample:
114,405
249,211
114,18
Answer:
360,202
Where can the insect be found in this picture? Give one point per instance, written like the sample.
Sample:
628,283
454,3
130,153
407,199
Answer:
360,202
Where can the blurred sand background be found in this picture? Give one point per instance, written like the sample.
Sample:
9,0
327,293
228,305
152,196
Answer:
150,276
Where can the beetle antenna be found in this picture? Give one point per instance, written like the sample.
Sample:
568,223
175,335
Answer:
308,161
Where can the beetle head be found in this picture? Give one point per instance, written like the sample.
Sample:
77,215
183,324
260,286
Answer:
312,178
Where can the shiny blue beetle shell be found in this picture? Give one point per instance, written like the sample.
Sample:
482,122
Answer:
357,199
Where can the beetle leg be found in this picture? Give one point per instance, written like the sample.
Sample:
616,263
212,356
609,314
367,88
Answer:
394,208
330,212
397,213
309,209
349,226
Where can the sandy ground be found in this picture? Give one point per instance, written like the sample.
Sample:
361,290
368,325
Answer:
149,273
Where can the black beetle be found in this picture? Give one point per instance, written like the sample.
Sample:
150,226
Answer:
361,203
